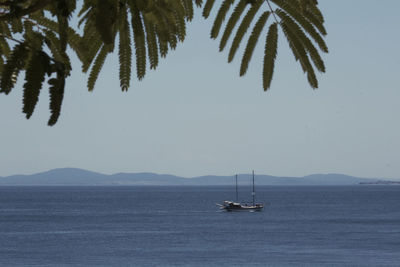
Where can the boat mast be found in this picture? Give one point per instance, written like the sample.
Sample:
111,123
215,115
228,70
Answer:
254,193
236,189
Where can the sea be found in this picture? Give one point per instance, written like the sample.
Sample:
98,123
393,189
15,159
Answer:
182,226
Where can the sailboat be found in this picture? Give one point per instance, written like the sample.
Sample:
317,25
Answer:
237,206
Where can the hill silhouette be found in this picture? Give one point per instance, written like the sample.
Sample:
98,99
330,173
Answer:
74,176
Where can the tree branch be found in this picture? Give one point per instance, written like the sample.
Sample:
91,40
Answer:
272,11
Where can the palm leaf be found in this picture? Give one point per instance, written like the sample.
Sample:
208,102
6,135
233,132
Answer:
199,3
223,10
251,44
94,44
34,77
271,45
188,4
56,92
248,18
295,28
4,47
5,29
180,26
74,39
15,63
105,13
97,65
163,46
53,43
207,8
1,65
151,44
140,42
237,12
300,52
307,26
125,52
315,21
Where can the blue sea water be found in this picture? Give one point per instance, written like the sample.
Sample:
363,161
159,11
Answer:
182,226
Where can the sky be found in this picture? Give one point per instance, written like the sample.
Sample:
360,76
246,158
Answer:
195,116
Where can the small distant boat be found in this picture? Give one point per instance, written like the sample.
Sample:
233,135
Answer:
237,206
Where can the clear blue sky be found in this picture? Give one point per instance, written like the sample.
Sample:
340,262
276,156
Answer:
195,116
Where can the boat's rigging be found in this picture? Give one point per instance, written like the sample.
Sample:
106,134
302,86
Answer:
237,206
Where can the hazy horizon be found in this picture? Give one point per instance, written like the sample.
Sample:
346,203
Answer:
198,175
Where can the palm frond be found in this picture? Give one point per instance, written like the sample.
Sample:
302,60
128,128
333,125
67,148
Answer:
248,18
315,21
4,47
1,65
271,45
180,26
16,26
15,63
139,41
74,39
300,52
252,42
106,13
163,46
35,74
189,12
223,10
97,65
307,26
94,44
199,3
56,92
53,43
5,29
207,8
235,16
125,52
295,28
151,44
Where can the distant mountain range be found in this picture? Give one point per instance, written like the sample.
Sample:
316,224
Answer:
73,176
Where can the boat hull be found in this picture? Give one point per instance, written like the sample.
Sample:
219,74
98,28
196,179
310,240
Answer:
243,209
233,206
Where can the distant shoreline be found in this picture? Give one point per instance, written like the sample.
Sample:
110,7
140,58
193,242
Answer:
81,177
380,183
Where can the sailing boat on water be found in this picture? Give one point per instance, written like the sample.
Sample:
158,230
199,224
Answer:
237,206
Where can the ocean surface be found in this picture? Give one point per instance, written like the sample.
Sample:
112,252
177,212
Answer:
182,226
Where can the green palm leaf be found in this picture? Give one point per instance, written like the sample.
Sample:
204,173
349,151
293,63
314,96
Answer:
315,21
207,8
188,4
248,18
97,65
307,26
4,47
125,52
300,52
34,77
237,12
140,42
56,92
74,39
94,44
151,44
271,45
251,44
15,63
223,10
295,28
